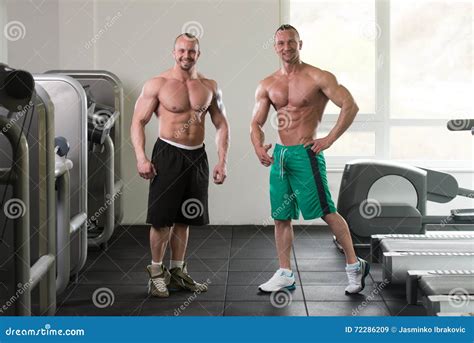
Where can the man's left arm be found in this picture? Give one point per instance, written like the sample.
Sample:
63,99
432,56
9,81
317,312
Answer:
340,96
219,119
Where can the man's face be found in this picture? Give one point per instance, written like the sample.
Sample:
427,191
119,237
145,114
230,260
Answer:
288,45
186,53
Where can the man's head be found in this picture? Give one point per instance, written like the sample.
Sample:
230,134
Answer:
186,50
287,43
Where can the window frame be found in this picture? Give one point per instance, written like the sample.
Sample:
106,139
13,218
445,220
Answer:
380,122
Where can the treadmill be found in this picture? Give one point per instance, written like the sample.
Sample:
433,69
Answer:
398,263
442,291
412,242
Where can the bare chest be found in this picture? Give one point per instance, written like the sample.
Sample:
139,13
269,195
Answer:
193,95
296,92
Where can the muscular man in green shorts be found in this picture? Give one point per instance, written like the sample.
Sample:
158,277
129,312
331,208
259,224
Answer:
299,93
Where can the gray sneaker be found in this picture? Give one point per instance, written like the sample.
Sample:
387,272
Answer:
159,281
180,279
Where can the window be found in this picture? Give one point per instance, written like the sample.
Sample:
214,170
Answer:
409,66
431,59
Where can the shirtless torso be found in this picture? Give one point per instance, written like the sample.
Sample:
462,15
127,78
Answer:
299,102
182,107
299,93
180,97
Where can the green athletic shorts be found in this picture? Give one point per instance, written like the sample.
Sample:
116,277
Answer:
298,181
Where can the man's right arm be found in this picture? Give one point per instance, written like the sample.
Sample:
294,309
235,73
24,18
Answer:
260,114
145,106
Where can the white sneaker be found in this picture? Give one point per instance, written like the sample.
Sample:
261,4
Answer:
357,277
278,281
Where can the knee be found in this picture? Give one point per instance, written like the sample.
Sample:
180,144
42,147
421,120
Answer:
282,224
161,233
335,219
331,217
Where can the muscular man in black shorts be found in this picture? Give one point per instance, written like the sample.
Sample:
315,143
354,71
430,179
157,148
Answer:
179,172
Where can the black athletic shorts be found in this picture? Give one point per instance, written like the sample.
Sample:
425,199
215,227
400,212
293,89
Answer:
178,193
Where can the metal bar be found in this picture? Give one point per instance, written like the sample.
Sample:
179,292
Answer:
109,197
47,239
21,192
63,208
77,222
40,269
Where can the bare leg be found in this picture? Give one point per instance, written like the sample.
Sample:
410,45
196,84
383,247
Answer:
284,241
179,241
158,242
340,229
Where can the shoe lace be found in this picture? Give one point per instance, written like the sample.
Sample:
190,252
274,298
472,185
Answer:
352,276
159,283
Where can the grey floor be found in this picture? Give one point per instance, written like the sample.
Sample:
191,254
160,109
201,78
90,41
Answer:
233,260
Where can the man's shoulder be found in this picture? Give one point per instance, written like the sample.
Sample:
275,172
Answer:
316,73
313,71
158,80
208,82
267,81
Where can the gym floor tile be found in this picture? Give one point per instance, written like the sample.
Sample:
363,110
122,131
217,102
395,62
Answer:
214,293
85,308
209,243
251,293
390,292
211,231
313,243
106,264
141,278
312,232
253,232
376,272
236,260
321,264
326,278
136,252
255,265
208,253
401,308
253,243
248,252
307,253
202,265
85,292
337,293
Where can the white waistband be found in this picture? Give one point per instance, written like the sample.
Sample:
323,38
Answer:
182,146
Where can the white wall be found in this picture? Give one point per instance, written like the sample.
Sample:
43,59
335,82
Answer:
134,41
233,33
